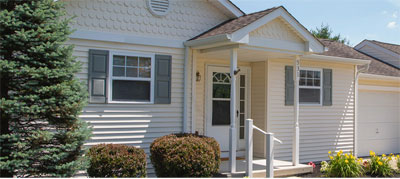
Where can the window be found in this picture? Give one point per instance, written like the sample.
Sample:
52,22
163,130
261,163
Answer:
131,77
221,101
310,86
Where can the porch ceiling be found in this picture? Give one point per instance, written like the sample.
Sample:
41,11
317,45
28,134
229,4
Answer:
245,54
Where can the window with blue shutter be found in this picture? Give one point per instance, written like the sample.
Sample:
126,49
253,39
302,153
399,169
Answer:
315,86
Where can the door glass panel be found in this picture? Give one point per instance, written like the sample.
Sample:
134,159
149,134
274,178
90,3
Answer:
221,112
242,105
221,99
221,91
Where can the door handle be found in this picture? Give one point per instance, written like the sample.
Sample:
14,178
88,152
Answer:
237,113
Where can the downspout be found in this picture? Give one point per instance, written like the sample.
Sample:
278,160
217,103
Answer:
185,83
357,73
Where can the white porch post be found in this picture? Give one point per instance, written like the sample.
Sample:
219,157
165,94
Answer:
232,131
296,132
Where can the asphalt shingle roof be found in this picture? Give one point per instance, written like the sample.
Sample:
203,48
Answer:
376,66
392,47
235,24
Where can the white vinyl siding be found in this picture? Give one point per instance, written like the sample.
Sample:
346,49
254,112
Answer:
133,124
322,128
258,104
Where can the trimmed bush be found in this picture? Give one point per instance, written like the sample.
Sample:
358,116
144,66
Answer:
185,155
115,160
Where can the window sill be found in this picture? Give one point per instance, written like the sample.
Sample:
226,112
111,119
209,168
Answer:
311,105
129,102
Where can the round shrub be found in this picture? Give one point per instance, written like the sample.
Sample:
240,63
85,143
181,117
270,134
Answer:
185,155
115,160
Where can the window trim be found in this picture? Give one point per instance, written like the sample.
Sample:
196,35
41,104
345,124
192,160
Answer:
312,87
151,79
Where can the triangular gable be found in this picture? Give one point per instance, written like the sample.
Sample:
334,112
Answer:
278,30
238,31
312,44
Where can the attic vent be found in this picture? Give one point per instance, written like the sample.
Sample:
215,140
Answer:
158,7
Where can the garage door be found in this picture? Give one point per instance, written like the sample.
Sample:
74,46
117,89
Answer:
378,122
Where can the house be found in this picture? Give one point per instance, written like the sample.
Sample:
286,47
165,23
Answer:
379,104
166,66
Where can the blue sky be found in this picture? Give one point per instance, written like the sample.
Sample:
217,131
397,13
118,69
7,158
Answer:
354,19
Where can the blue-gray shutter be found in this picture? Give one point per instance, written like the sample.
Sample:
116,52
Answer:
327,87
98,73
289,86
162,86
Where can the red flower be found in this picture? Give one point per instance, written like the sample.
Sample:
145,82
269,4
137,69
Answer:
365,163
312,164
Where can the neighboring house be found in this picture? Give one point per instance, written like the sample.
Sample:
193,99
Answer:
379,104
160,67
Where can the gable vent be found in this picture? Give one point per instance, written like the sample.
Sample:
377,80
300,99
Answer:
158,7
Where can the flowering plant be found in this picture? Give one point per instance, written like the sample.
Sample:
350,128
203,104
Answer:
342,165
324,166
379,165
398,161
312,164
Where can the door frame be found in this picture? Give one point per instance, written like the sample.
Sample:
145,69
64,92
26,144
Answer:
207,98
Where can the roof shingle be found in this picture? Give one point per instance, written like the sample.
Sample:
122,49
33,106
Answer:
235,24
392,47
376,67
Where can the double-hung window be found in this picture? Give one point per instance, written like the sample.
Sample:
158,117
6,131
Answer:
131,77
310,86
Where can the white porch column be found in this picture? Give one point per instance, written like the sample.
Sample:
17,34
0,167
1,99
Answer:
232,130
296,132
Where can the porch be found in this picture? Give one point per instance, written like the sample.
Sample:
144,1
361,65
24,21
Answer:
281,168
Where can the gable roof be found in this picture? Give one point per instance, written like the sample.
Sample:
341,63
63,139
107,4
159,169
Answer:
392,47
376,66
235,24
237,29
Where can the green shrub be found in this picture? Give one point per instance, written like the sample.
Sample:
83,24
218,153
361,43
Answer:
343,166
114,160
185,155
379,166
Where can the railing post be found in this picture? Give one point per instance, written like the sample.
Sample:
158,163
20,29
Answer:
249,147
270,155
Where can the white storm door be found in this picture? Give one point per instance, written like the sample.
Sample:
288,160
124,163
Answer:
218,106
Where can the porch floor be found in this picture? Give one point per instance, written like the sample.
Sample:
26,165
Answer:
281,168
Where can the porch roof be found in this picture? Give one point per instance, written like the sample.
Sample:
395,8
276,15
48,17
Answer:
237,30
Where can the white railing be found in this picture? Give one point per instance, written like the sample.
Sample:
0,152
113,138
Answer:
269,149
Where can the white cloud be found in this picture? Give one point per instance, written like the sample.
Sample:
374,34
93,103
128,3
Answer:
391,25
394,15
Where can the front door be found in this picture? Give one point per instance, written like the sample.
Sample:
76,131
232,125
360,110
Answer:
218,106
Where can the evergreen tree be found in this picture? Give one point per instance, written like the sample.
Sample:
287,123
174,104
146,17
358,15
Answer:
325,32
41,134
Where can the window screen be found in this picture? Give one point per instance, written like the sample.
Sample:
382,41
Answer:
310,87
131,78
124,90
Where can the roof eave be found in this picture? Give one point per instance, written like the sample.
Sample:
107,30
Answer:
337,59
231,9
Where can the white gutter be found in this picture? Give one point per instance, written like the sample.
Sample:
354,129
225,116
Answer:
379,77
185,82
337,59
356,76
208,40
